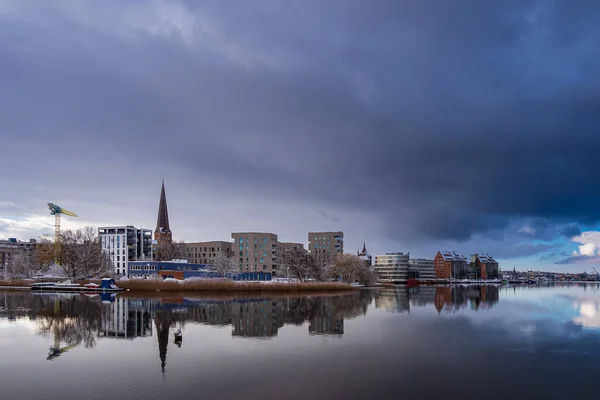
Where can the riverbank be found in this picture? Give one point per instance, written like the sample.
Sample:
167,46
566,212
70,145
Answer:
229,286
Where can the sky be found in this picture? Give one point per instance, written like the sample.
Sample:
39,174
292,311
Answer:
412,125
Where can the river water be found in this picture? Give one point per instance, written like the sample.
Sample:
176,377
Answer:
413,343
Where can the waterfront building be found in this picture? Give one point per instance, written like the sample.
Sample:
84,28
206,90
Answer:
392,267
420,268
287,248
162,233
325,246
11,248
448,265
204,252
125,243
257,252
364,255
181,269
485,266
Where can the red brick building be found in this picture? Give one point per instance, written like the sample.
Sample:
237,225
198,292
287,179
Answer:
448,265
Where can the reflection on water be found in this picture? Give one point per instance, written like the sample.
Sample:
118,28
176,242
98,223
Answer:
506,331
446,298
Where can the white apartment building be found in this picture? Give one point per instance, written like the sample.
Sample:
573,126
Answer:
124,244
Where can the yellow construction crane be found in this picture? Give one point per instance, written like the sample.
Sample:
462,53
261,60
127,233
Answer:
57,212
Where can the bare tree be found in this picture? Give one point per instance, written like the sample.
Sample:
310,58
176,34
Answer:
350,268
80,253
225,266
301,265
168,251
22,265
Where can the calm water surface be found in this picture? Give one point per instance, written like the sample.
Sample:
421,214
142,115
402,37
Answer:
418,343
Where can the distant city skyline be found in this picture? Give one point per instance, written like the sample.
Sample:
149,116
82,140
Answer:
472,128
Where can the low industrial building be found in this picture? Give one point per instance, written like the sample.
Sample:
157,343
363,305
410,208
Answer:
181,269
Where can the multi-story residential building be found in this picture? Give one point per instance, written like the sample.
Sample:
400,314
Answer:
11,248
325,246
257,252
485,265
204,252
124,244
448,265
422,269
392,267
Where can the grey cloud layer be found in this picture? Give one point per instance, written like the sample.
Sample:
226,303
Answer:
445,119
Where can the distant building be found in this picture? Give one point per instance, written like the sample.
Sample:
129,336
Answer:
257,252
125,243
485,266
422,269
162,233
325,246
204,252
119,321
364,255
256,319
448,265
392,267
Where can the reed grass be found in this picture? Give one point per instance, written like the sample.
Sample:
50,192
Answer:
228,286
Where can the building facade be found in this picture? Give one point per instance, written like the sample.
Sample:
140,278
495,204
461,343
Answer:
485,266
257,252
392,267
448,265
181,269
325,246
204,252
124,244
12,248
421,268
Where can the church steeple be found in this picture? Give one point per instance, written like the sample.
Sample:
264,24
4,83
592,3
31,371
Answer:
364,250
162,231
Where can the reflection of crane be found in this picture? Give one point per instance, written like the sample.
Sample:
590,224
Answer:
57,211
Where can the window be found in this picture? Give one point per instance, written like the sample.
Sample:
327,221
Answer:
241,240
262,260
241,253
264,240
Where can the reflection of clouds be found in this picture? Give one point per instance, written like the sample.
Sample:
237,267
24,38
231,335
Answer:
589,314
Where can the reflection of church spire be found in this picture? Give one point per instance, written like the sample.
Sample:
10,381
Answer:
162,332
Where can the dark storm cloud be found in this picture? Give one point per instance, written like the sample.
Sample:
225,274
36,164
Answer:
584,260
570,231
442,119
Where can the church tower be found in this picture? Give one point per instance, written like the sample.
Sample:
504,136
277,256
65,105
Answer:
162,233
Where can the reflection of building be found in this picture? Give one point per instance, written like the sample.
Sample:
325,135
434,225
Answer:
448,265
255,319
364,255
485,266
392,267
256,251
327,324
446,298
325,246
393,299
117,320
204,252
124,244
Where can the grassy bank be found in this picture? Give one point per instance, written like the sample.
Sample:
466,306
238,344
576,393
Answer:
229,286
